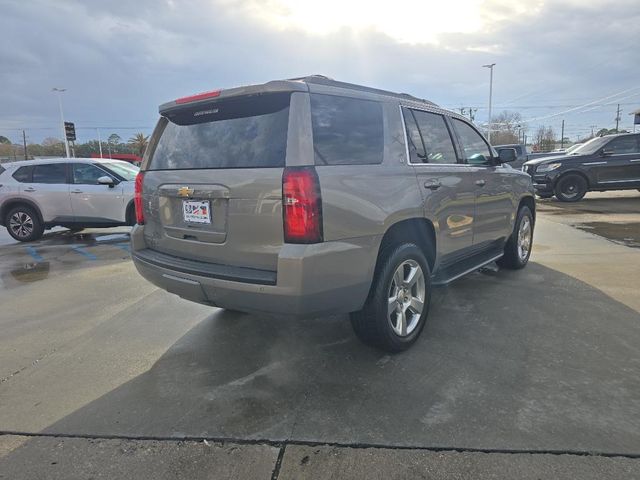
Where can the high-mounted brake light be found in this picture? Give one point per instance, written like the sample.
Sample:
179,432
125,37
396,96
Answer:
137,198
199,96
302,205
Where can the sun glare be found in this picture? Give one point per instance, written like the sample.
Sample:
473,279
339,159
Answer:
407,21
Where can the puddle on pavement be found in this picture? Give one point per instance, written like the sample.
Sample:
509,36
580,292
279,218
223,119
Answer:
623,233
30,272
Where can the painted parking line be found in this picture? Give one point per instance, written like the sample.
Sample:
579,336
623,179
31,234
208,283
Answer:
34,254
83,252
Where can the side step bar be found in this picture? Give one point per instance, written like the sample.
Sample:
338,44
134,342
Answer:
448,274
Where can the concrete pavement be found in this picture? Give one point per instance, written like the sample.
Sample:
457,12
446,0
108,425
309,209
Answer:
537,361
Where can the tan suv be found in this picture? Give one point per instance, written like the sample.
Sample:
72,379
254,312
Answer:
311,196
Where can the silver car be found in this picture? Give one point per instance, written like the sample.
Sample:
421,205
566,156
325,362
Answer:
311,196
71,192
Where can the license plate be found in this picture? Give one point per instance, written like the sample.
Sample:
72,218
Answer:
196,211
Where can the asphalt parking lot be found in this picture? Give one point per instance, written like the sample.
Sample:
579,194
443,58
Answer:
529,374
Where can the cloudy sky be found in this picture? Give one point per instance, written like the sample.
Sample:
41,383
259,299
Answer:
556,59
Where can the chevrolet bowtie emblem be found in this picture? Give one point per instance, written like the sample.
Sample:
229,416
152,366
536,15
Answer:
185,192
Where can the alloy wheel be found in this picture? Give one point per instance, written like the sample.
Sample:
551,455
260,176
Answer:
407,294
21,224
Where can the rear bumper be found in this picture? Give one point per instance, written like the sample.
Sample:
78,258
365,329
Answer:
324,278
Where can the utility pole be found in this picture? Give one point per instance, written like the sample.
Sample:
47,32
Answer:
490,67
562,136
24,142
617,118
592,127
64,131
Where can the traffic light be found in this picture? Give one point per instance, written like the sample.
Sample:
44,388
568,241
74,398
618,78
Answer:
70,131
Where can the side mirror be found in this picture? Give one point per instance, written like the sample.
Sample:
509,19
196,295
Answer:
606,153
506,155
106,180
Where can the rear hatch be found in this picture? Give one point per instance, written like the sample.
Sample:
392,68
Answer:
213,180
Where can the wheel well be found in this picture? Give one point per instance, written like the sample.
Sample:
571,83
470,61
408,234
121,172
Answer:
418,230
528,202
9,204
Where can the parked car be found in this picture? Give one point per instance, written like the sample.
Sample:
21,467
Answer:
603,163
71,192
521,153
311,196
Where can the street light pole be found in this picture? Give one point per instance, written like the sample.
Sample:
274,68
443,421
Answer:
64,132
490,67
99,142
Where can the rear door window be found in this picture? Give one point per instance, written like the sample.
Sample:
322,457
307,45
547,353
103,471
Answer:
346,131
247,132
50,173
475,150
429,138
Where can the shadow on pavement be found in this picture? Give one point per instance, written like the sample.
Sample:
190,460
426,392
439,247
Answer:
509,360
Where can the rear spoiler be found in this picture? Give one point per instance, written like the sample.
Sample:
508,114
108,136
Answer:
278,86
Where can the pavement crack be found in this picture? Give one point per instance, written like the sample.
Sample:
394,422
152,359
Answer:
32,364
276,468
308,443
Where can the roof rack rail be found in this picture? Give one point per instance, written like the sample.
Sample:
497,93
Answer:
324,80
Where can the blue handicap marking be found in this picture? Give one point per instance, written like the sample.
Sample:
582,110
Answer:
123,246
84,253
34,254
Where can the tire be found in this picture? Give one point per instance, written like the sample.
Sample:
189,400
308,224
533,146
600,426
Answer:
130,216
23,223
379,322
518,248
571,188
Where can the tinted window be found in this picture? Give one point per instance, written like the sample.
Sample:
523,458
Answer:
346,131
430,141
622,145
23,174
51,173
125,170
248,132
475,149
87,174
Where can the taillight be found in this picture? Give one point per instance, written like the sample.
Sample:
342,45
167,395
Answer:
301,205
137,198
199,96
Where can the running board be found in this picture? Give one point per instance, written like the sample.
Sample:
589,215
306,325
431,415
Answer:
460,269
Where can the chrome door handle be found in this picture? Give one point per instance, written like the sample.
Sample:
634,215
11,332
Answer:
30,189
635,160
76,191
481,183
432,185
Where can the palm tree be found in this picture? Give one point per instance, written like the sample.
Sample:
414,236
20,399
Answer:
138,143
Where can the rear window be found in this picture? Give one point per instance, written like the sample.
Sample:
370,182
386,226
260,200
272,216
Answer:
249,132
346,131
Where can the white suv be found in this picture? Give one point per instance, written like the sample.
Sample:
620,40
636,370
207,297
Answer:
71,192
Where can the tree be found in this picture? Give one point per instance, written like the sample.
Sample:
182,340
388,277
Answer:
114,139
138,143
506,128
4,140
545,139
